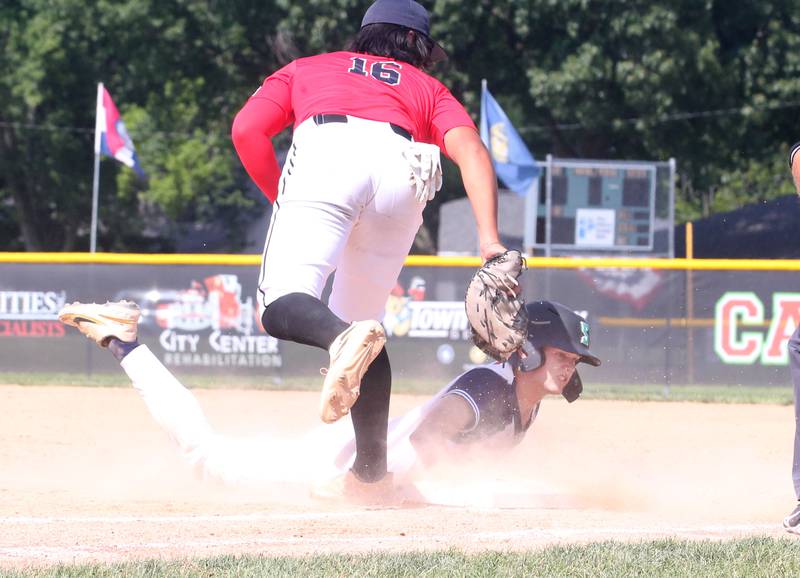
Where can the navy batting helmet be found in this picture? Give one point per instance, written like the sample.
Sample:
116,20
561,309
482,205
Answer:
551,324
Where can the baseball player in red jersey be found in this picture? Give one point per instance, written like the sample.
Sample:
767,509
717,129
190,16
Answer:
481,413
369,125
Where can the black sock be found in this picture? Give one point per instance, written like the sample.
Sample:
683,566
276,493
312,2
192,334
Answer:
371,420
303,319
119,349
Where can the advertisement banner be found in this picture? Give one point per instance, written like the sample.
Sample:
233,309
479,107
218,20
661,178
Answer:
649,326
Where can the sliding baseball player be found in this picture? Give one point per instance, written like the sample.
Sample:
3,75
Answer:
488,406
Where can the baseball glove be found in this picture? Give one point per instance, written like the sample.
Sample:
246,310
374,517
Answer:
496,312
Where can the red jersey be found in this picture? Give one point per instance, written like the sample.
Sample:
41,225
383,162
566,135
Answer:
370,87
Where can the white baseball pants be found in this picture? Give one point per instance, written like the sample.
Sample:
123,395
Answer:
253,461
233,460
346,202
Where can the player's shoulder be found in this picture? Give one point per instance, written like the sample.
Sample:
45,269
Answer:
407,67
485,380
322,57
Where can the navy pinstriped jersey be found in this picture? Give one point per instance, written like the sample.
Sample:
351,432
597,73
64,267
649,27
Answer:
491,394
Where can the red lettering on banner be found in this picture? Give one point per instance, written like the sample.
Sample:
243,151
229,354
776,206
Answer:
31,328
785,319
732,310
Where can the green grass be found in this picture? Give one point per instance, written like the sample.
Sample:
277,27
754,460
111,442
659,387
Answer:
696,393
95,380
757,557
310,383
693,393
646,392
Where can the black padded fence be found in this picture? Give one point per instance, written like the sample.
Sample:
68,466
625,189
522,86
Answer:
649,325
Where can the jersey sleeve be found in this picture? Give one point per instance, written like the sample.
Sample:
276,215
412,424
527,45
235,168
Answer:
482,389
448,113
277,88
266,113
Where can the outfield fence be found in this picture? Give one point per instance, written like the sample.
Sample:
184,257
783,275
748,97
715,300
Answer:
654,321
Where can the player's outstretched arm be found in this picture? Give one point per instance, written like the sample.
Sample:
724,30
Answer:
450,415
465,147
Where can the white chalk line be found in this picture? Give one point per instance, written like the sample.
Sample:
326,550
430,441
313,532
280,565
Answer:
541,535
311,516
230,518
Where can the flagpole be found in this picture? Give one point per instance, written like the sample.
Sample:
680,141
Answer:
96,177
488,142
531,216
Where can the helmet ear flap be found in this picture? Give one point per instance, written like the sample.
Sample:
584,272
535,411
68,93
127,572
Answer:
573,389
528,357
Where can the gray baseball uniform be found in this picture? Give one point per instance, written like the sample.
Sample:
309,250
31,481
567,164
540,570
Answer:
794,366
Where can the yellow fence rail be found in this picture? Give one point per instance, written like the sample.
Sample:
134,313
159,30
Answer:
414,261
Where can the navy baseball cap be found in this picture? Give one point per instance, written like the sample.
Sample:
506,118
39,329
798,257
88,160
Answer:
406,13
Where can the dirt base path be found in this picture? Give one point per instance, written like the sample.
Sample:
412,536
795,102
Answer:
86,475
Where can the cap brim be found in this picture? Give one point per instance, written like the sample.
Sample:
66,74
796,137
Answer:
438,54
579,349
591,359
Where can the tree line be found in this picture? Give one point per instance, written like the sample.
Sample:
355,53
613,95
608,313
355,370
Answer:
714,84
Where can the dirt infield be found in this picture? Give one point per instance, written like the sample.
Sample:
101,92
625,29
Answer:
85,475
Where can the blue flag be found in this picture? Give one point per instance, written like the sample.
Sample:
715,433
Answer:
512,160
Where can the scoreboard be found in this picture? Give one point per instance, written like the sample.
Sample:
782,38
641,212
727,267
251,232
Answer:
600,206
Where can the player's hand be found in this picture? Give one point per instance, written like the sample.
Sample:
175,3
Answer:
514,289
489,250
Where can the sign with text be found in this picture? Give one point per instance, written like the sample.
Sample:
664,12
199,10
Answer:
594,227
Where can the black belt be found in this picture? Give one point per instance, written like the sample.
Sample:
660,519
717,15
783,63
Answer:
326,118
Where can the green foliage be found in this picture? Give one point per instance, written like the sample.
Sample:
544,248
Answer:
579,78
754,182
173,72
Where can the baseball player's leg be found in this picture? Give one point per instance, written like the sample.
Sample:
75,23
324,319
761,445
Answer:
370,416
305,319
368,270
371,411
242,461
172,406
303,246
213,456
322,190
378,246
302,318
321,195
792,521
